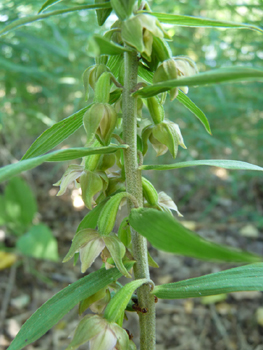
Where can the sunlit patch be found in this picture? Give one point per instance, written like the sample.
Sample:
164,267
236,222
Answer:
2,235
221,173
2,93
76,198
33,89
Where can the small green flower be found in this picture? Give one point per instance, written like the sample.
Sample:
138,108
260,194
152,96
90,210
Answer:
101,335
73,173
90,243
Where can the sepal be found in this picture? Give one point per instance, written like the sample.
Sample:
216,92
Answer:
123,8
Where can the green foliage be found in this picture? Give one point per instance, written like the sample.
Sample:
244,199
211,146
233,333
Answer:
56,156
38,243
239,279
18,206
60,304
133,43
167,234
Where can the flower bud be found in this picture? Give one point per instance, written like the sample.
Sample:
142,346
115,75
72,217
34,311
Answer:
156,109
106,161
123,8
91,183
149,192
167,71
186,67
124,232
100,120
102,14
108,214
102,88
95,73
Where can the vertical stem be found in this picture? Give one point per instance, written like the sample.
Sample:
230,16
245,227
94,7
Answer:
134,187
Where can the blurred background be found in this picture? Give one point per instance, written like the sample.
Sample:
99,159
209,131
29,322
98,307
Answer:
41,65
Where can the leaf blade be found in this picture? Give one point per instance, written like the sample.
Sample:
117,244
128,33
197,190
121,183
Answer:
190,21
167,234
221,75
192,107
57,133
222,163
61,303
47,4
26,20
10,170
243,278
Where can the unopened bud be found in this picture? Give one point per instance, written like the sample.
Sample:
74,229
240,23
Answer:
167,71
95,73
100,120
102,88
156,109
91,183
149,192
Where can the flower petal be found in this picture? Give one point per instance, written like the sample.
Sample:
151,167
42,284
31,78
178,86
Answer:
90,252
165,200
105,340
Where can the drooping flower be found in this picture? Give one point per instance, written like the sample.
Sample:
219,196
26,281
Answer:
89,243
101,335
71,174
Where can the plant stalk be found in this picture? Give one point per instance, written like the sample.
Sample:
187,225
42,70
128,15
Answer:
134,187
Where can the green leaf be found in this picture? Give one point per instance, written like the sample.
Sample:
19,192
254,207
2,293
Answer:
26,20
39,243
90,220
47,4
189,21
243,278
181,97
167,234
20,204
189,104
104,46
61,303
10,170
221,75
118,303
58,132
114,64
221,163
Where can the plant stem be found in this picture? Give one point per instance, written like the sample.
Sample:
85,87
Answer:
134,187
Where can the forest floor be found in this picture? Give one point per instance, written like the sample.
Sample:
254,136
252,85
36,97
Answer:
230,322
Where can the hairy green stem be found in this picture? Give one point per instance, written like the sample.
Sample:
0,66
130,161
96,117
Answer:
134,187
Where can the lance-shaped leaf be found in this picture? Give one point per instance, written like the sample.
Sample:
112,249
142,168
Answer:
90,220
53,136
221,163
189,104
181,97
189,21
10,170
229,74
102,46
47,4
243,278
167,234
26,20
118,303
61,303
